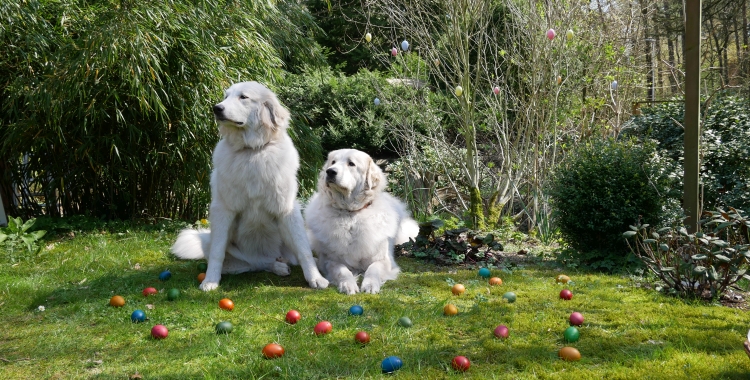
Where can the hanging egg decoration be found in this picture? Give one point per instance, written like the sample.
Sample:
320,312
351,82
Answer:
496,90
559,80
569,34
368,37
404,45
437,62
614,85
377,102
394,52
551,34
459,90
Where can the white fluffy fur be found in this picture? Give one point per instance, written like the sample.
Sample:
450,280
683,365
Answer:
352,224
256,222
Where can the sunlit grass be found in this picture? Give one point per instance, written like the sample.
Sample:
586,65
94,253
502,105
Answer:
629,332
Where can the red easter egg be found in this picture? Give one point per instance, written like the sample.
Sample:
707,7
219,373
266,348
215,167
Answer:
226,304
159,332
362,337
502,331
461,363
566,294
323,327
293,316
149,291
273,350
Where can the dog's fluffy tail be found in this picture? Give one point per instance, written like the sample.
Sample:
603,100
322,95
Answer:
192,244
408,229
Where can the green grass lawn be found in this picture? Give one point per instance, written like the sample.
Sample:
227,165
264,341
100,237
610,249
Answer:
629,332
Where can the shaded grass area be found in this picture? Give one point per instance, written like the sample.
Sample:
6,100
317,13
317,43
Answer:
629,333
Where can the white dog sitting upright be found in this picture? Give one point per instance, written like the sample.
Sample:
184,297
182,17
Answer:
256,222
353,224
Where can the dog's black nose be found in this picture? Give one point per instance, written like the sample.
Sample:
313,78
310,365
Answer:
331,172
218,109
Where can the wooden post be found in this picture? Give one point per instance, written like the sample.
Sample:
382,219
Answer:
691,190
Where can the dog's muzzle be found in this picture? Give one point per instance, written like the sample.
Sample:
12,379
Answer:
219,112
331,175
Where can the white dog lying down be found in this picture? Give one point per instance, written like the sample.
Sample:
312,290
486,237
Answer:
256,223
353,224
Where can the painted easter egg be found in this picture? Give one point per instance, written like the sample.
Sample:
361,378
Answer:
293,316
272,351
458,289
569,354
391,364
450,309
117,301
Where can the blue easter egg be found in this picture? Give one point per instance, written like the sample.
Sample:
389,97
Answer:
484,272
614,85
404,45
391,364
164,276
356,310
377,102
138,316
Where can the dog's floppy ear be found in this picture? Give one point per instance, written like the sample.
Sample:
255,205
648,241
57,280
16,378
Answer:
374,177
274,115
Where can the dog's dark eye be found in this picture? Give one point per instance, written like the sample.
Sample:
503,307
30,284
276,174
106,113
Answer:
333,162
243,97
351,163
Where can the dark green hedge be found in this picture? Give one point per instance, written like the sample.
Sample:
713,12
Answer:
600,189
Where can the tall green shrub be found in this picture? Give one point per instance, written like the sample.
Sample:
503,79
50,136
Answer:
601,189
106,105
341,109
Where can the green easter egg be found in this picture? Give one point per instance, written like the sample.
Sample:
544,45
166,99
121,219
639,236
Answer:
571,334
405,322
224,327
173,294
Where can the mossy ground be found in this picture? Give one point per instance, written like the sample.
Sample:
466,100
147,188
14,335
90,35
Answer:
629,332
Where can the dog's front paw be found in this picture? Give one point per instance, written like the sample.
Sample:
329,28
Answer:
348,287
208,286
369,286
281,268
318,282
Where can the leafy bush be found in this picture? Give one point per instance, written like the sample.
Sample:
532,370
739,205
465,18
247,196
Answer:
725,145
603,187
704,264
339,109
106,106
18,235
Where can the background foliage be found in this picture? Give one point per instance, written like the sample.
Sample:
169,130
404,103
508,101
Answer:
604,187
725,145
106,105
